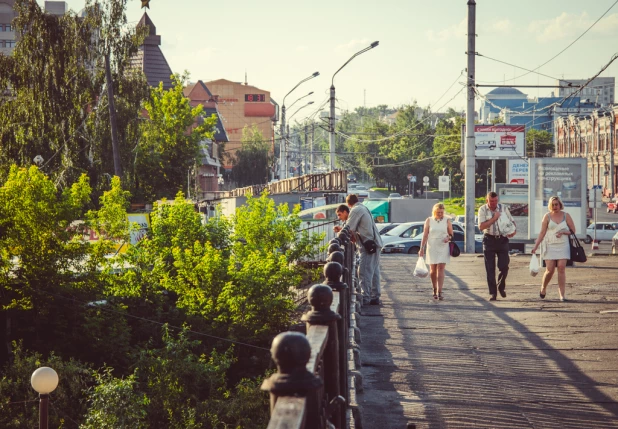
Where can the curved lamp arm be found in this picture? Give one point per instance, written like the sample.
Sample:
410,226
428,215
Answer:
373,45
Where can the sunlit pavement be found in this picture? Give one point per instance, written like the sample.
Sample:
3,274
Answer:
465,362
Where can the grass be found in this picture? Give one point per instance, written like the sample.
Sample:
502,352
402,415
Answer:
456,206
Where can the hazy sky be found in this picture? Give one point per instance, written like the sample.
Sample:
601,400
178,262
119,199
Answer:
421,52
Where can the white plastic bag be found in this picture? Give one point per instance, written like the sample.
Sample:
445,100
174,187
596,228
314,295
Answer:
421,269
534,265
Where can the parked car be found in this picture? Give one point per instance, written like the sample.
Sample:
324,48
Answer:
605,231
409,230
383,228
352,187
478,234
395,195
462,219
413,245
615,243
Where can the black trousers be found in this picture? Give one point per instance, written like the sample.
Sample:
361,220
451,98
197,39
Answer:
496,247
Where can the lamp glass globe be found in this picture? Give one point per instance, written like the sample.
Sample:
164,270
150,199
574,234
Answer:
44,380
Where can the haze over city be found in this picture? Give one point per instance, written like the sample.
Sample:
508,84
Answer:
421,55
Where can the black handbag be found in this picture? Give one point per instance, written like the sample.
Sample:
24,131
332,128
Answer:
454,249
577,251
370,246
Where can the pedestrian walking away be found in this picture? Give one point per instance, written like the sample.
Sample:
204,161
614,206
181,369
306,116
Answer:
498,226
553,239
437,233
360,222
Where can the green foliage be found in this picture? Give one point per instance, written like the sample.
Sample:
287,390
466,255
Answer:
18,401
166,151
57,84
252,162
115,403
539,143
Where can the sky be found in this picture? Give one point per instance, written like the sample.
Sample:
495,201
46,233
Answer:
420,57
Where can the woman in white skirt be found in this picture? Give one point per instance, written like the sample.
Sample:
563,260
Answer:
556,227
437,233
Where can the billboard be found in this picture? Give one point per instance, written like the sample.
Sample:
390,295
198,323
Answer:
499,141
517,171
561,177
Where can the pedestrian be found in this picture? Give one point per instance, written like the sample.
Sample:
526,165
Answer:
437,233
553,239
343,212
361,224
495,244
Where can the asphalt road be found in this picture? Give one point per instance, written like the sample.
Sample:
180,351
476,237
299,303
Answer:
465,362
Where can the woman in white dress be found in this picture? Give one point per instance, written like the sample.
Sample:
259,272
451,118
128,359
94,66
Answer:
437,233
554,241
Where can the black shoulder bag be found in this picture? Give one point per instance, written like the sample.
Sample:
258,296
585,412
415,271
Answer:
577,251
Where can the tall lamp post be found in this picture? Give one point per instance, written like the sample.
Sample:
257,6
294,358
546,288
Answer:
44,380
331,125
282,147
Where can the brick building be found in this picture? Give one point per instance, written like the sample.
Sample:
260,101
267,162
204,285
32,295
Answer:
242,105
592,137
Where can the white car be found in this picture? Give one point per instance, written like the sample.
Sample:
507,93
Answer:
409,230
395,196
605,231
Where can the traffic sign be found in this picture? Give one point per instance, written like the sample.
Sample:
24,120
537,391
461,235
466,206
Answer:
409,176
413,179
425,179
444,184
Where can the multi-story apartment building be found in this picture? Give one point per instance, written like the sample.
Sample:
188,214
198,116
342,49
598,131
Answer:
242,105
600,90
592,137
7,33
8,37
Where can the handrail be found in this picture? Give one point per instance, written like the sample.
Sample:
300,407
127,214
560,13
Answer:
315,381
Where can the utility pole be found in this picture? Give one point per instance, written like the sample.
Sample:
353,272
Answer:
469,149
311,159
112,117
306,146
282,144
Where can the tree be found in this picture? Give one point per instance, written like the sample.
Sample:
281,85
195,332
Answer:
56,78
252,162
539,143
447,150
170,141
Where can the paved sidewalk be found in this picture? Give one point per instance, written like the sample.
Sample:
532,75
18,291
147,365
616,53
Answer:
519,362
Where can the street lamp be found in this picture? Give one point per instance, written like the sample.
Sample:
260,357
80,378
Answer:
44,380
283,144
331,125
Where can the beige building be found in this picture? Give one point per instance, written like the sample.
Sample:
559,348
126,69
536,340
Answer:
600,90
242,105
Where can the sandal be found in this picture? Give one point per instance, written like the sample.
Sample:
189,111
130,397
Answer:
435,296
440,297
543,291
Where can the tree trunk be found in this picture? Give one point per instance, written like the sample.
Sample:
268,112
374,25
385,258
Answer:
112,117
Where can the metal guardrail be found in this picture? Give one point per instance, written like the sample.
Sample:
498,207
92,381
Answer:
335,181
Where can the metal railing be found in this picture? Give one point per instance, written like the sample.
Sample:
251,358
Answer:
317,378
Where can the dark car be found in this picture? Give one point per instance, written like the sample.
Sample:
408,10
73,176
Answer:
413,245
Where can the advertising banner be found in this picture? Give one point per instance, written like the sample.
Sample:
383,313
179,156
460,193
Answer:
515,197
499,141
517,171
564,178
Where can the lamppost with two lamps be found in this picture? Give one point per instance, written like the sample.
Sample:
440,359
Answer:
331,122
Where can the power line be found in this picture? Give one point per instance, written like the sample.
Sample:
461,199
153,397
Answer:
570,44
